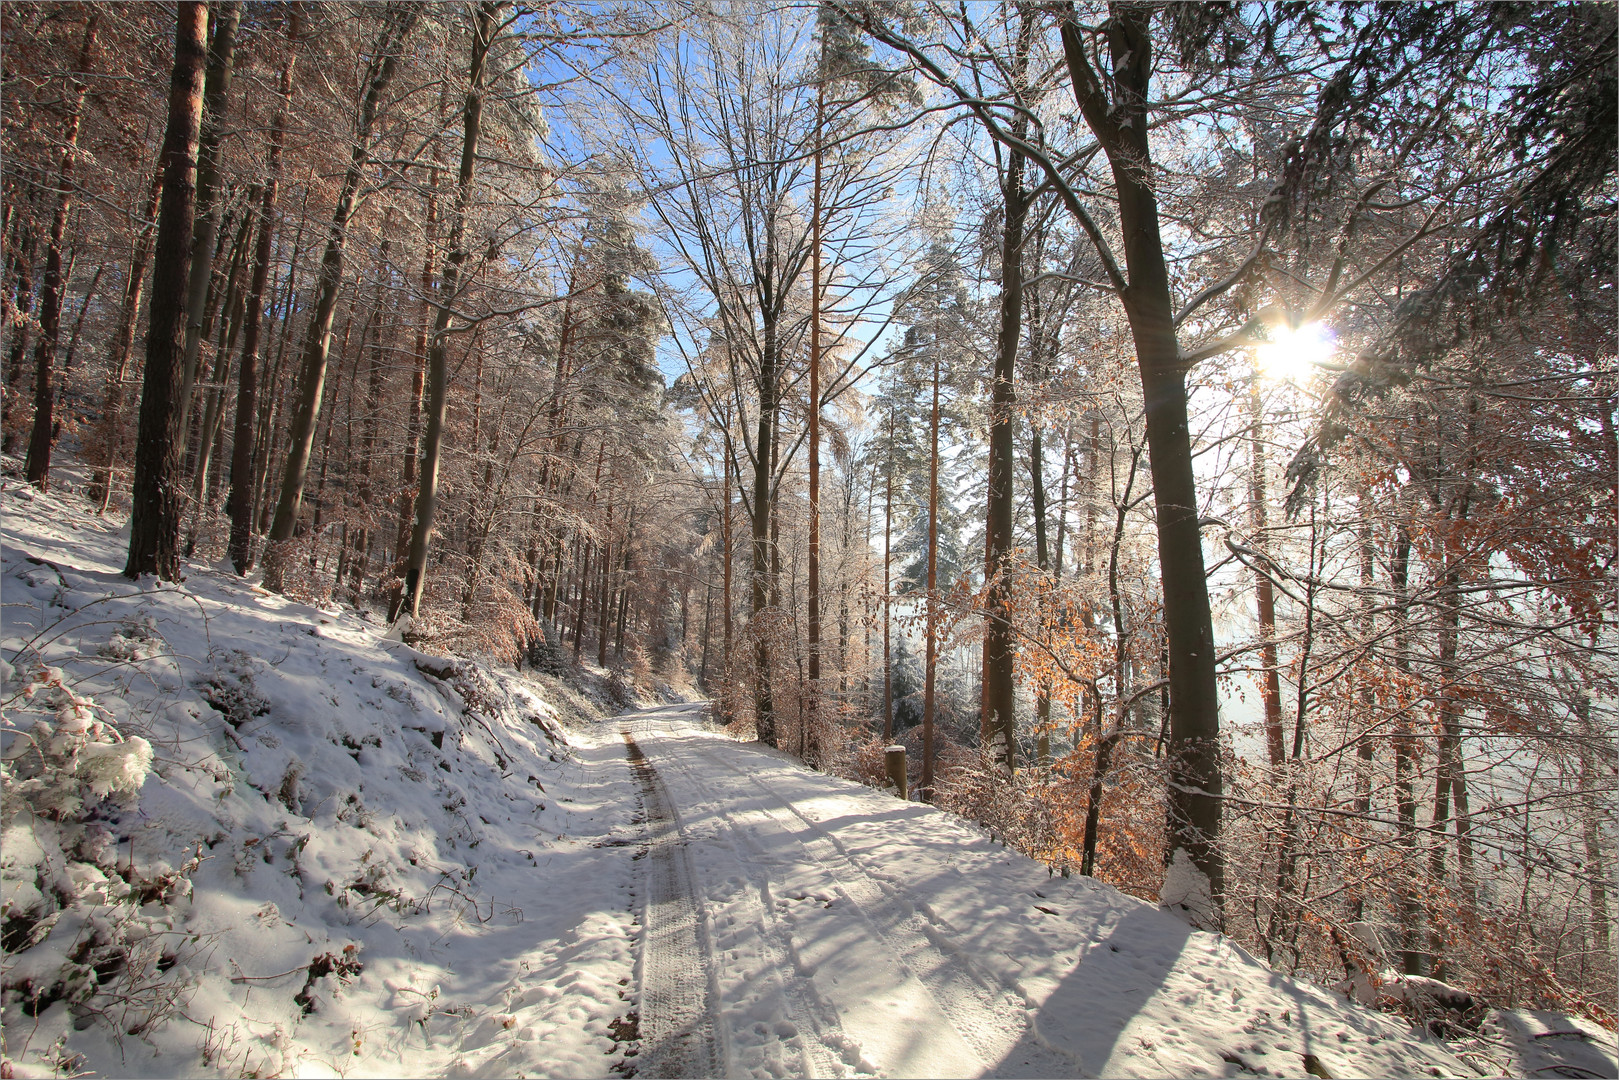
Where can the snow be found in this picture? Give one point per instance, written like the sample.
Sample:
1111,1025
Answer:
314,793
349,857
931,951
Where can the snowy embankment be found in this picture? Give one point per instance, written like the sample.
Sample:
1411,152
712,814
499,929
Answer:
339,862
246,836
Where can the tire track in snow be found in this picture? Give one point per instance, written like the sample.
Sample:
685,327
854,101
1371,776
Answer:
822,1048
676,1021
990,1017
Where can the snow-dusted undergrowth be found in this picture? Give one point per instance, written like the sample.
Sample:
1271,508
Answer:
245,836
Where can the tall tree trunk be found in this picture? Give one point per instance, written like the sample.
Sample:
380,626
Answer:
725,586
373,409
449,283
19,316
317,342
708,619
1120,124
888,589
1106,743
221,65
1042,556
232,305
813,621
763,707
1411,956
123,344
1592,743
418,385
267,438
1447,771
1366,691
1264,591
242,448
999,720
38,465
154,528
604,595
931,662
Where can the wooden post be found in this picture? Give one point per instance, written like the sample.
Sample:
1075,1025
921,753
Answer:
894,762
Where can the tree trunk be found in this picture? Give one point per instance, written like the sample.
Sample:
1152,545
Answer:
604,595
1595,811
764,718
1264,591
221,65
373,408
1447,772
317,342
888,589
38,465
725,587
232,305
1195,782
930,664
813,621
266,440
123,345
1037,495
154,529
242,448
449,283
18,314
999,725
1404,756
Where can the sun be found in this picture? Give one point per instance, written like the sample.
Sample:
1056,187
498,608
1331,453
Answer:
1293,354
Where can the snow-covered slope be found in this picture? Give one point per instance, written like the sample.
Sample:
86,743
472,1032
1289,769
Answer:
340,863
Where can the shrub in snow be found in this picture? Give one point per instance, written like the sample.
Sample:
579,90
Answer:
71,919
60,766
135,640
229,688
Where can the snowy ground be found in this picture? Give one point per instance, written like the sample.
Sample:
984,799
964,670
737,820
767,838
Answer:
348,865
843,931
349,858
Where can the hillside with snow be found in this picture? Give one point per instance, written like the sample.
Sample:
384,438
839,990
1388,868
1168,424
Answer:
245,836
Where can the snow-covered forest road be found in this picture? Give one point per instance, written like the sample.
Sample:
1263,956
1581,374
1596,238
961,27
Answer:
353,858
798,924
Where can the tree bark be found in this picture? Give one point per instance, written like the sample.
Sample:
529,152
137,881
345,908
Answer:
999,720
764,717
123,345
1120,125
216,96
1037,496
813,620
232,305
1264,591
242,448
1411,956
154,530
929,671
449,282
888,589
38,464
